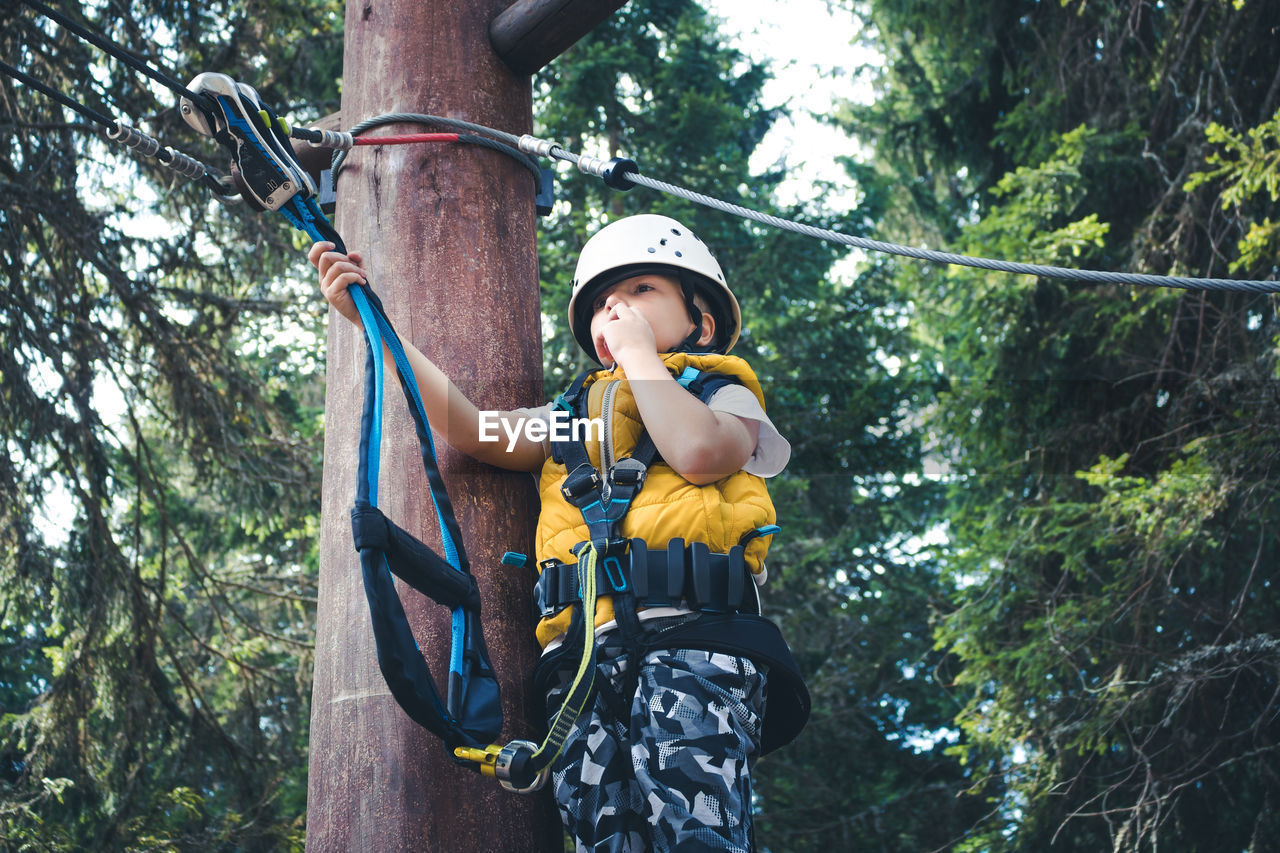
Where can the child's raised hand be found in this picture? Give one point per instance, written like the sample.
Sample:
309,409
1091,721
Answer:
337,273
626,331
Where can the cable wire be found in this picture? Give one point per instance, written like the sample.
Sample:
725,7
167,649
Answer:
120,131
519,147
488,137
1017,268
111,47
596,166
86,111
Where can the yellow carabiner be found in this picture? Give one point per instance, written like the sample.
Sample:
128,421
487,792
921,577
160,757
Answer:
487,758
499,762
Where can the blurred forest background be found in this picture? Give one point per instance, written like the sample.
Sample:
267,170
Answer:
1029,528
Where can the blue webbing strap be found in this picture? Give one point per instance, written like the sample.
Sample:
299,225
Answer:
472,712
450,536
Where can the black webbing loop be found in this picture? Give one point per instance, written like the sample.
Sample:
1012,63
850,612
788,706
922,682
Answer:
412,561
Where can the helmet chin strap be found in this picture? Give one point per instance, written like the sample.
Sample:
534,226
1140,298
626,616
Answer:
690,344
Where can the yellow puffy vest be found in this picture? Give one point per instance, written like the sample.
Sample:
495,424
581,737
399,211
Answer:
667,506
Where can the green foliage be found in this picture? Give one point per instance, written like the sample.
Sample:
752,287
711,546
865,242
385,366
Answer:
157,488
1112,496
1246,170
1059,638
155,681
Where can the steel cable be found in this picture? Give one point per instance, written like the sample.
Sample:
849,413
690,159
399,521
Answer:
114,49
497,140
595,166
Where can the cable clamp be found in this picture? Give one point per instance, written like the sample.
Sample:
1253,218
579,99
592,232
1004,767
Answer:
613,171
530,144
186,166
127,134
592,165
320,138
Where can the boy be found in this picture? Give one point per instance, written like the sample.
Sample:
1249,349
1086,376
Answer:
661,759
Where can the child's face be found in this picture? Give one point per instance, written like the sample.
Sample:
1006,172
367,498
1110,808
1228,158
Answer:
657,298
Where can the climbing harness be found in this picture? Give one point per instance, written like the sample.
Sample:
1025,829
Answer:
468,716
717,588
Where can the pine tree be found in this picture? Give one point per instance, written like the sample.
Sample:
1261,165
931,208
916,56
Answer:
161,430
1113,448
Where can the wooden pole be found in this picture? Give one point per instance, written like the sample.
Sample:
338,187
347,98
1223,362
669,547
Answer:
448,234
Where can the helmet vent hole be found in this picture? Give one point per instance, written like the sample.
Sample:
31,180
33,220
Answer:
675,231
663,241
679,254
652,250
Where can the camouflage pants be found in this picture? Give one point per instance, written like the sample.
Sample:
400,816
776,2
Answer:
663,759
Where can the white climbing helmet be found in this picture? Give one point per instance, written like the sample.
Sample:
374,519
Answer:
650,243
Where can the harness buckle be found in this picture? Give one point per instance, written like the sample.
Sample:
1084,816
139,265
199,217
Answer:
582,481
552,588
615,547
628,472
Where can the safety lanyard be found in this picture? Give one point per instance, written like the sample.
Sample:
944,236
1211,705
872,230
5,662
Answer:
471,712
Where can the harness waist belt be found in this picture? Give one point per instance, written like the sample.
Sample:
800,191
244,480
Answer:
666,577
